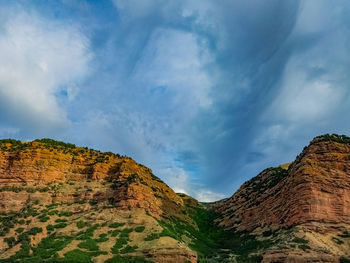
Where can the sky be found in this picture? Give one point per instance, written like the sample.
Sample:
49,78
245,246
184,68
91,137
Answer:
206,93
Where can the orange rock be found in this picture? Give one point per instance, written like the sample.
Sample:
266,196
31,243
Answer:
39,163
315,188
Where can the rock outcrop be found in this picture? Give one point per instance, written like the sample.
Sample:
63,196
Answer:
56,193
314,188
309,197
46,161
47,173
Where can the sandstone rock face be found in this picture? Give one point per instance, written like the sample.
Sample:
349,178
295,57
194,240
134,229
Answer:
298,257
38,163
43,173
315,188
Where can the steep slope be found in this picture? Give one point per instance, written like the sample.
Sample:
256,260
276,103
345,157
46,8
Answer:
62,203
311,198
83,204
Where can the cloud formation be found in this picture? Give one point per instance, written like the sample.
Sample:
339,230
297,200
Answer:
207,94
42,59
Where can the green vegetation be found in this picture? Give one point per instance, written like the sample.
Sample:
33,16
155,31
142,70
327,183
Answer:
304,247
89,244
210,241
50,228
44,218
15,145
60,225
81,224
7,221
88,233
102,238
77,256
334,138
128,249
116,225
122,240
18,189
277,174
139,229
52,212
19,230
156,178
300,240
49,143
65,213
59,220
337,241
34,231
114,233
345,234
120,259
10,241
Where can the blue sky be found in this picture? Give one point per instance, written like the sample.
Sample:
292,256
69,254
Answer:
206,93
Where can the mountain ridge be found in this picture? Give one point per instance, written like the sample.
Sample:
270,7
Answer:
103,207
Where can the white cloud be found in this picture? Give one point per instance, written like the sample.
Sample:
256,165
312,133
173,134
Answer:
40,58
207,195
173,59
179,180
303,98
8,132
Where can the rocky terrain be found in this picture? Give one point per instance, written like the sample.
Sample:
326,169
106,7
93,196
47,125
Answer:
62,203
309,196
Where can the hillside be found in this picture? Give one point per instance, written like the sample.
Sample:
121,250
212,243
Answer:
63,203
309,198
82,204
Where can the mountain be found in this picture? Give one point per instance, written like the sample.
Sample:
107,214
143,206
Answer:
63,203
302,209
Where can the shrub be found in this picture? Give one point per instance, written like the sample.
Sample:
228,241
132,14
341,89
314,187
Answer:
115,233
59,220
65,213
50,228
34,231
55,144
77,256
139,229
44,218
48,246
300,240
81,224
19,230
10,241
116,225
304,247
102,238
88,233
89,244
152,236
337,241
60,225
53,212
128,249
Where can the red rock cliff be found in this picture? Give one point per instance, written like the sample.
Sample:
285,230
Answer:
315,188
44,161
